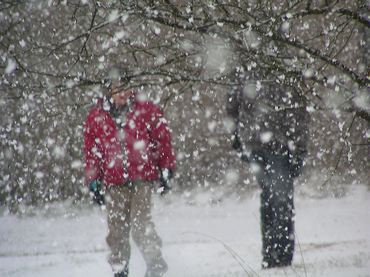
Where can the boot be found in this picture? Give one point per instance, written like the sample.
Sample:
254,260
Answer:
123,273
156,268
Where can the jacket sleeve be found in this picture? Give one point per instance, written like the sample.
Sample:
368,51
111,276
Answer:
161,136
301,122
301,134
92,159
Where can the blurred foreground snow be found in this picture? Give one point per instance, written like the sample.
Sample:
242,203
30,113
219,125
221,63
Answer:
198,233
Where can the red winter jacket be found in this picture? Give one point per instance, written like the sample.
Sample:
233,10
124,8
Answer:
145,138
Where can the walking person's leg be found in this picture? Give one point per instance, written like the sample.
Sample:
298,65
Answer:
281,204
118,239
260,161
285,217
266,227
143,230
277,208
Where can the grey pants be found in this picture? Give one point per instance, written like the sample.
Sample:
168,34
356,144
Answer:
129,210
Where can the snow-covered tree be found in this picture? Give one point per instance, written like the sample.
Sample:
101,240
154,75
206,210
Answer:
186,55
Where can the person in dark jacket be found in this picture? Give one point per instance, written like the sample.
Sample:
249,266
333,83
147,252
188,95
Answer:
127,149
271,134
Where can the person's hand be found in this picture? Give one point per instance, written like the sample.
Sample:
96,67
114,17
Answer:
237,145
96,192
166,175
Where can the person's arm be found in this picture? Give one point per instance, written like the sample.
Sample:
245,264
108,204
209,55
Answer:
93,174
233,110
299,140
91,151
161,136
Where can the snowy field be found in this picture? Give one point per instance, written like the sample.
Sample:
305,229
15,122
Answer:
201,238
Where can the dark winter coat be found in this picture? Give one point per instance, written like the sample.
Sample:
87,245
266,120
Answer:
269,117
135,151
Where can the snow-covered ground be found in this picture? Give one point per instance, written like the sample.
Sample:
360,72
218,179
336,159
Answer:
201,237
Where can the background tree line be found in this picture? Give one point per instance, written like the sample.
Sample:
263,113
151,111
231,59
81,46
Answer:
185,55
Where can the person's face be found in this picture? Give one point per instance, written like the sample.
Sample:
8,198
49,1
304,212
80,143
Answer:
119,95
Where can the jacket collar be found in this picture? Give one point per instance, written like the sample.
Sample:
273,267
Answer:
107,105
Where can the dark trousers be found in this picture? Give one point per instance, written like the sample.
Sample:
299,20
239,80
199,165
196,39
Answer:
277,209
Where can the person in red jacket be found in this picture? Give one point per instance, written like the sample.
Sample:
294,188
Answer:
128,149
